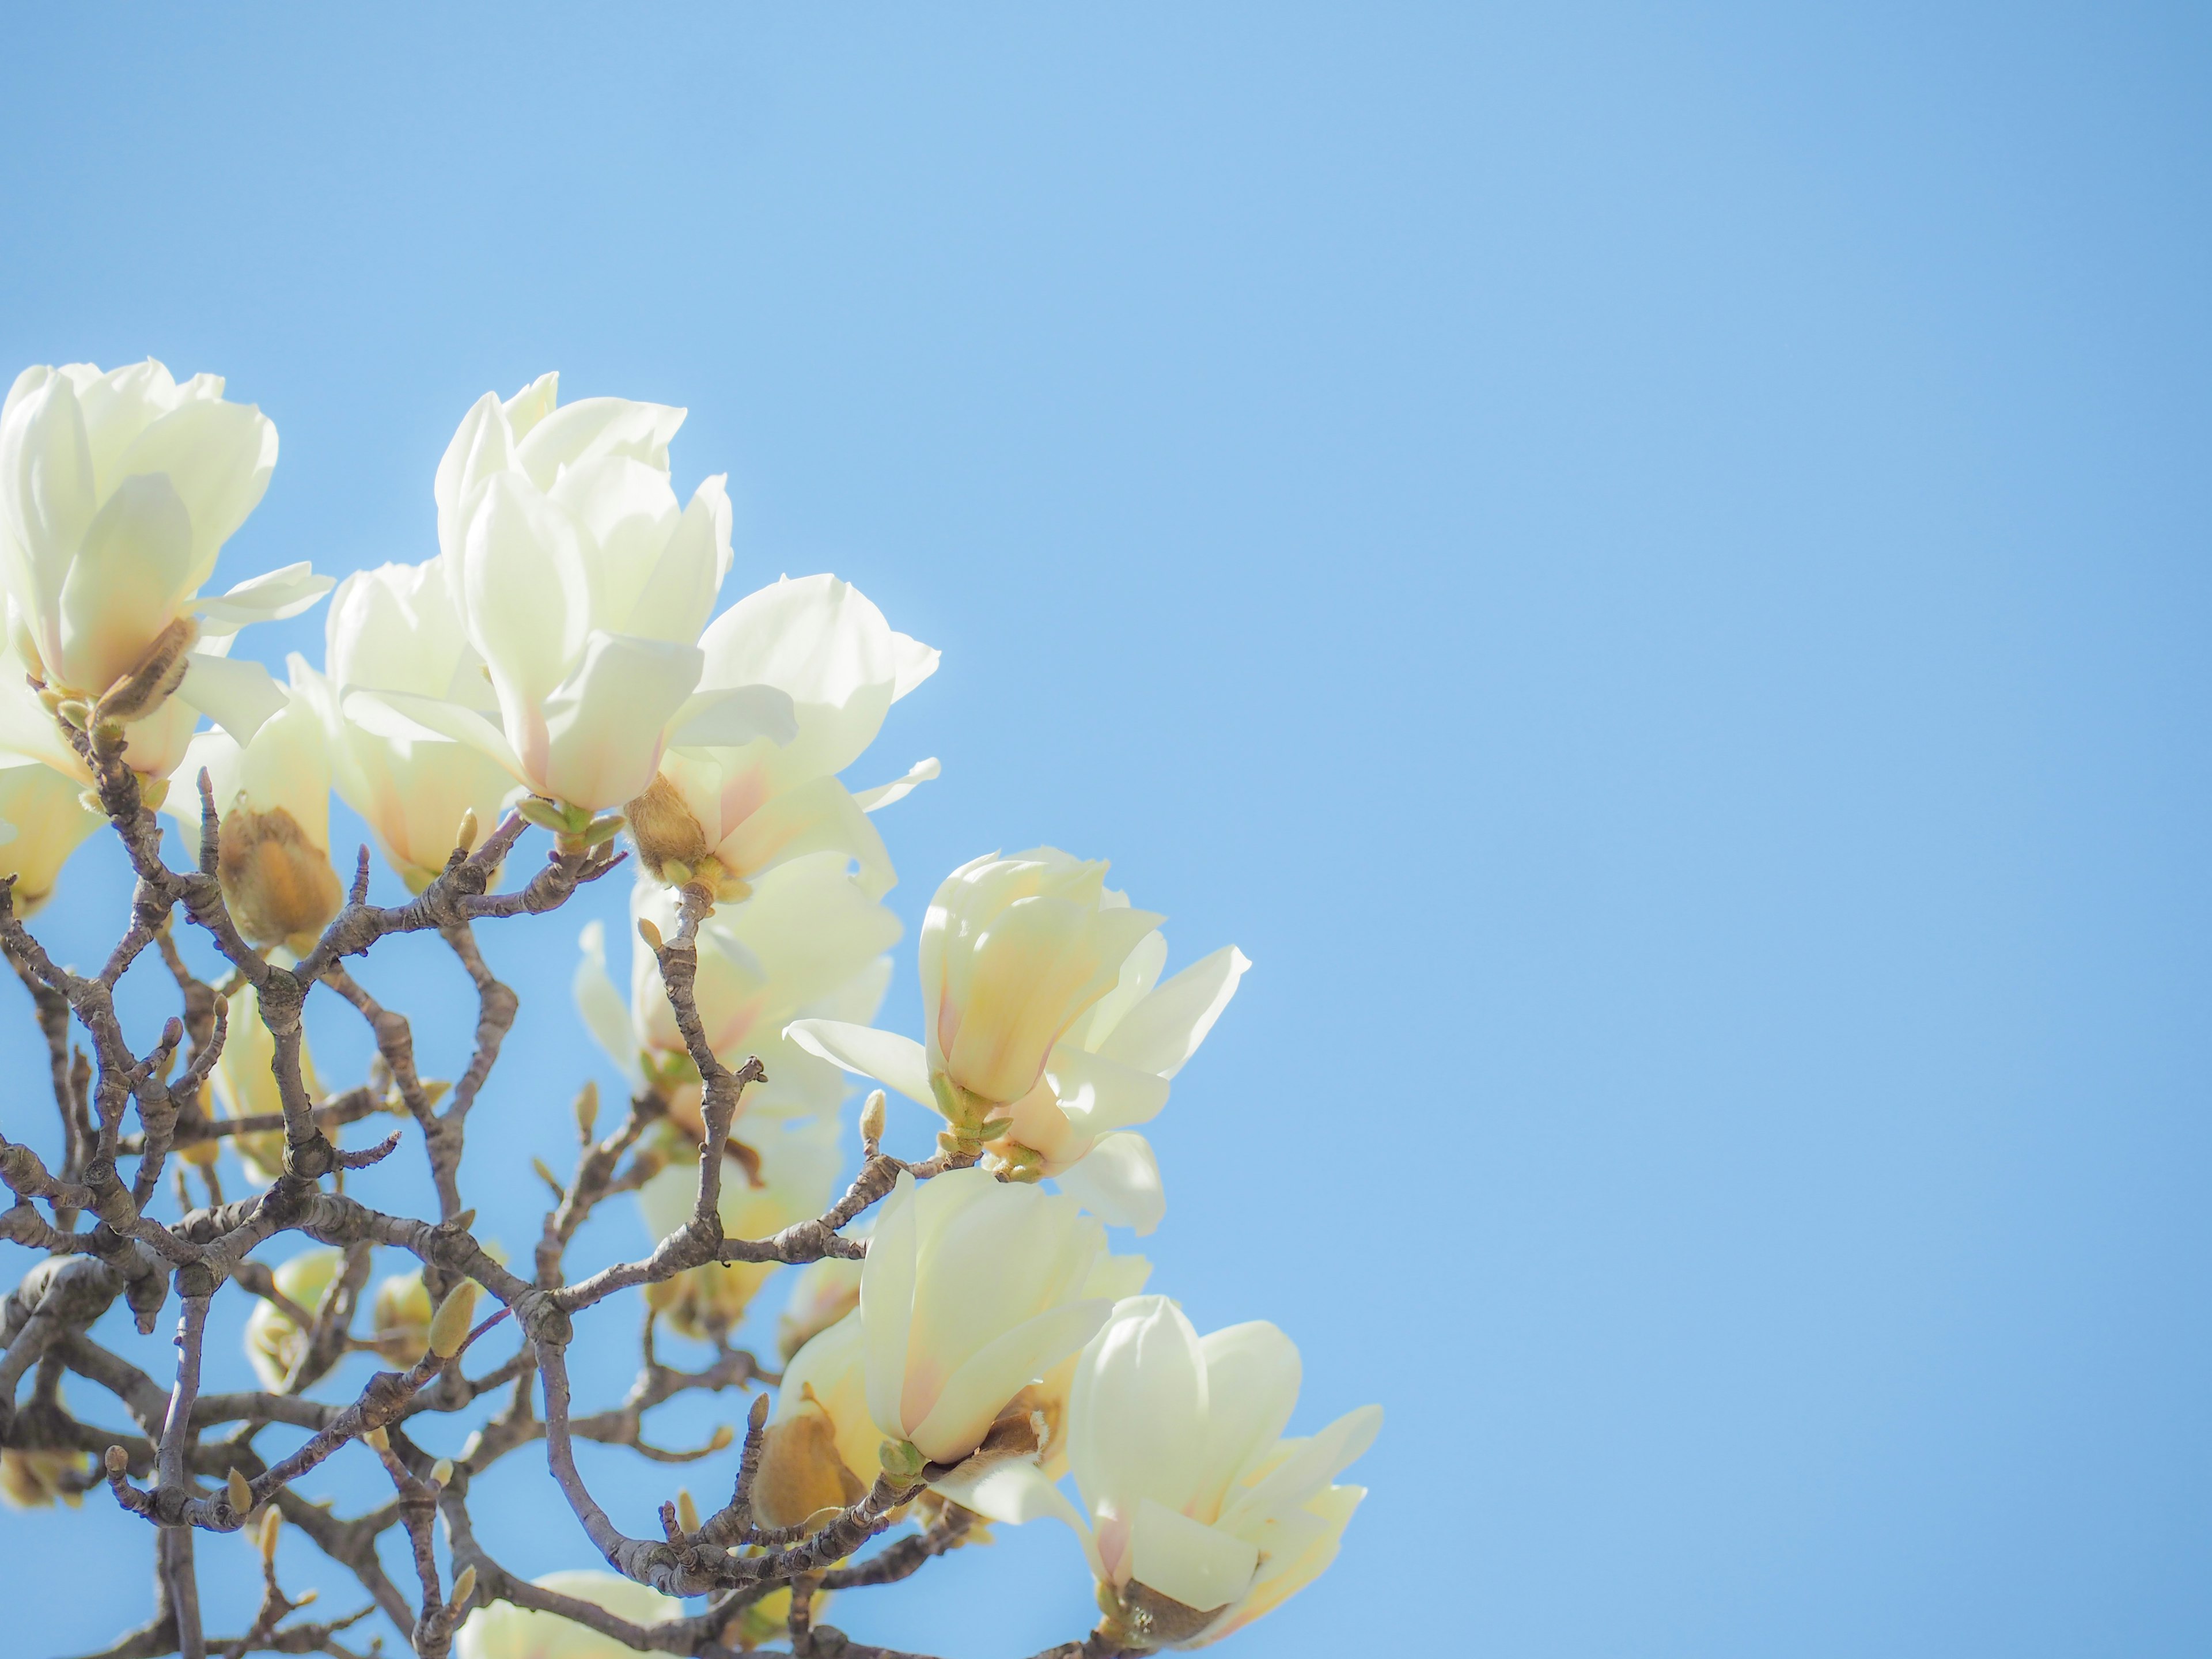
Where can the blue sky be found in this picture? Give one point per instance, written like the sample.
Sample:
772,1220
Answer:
1648,565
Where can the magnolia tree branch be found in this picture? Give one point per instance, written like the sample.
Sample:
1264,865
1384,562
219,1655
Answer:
101,1246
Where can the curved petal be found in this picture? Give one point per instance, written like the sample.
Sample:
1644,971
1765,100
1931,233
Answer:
899,788
1099,1093
1187,1561
912,662
898,1062
816,816
978,1391
1136,1414
218,457
526,589
123,587
46,490
1118,1181
602,727
447,720
1014,1492
1252,1374
1309,1469
1163,1031
604,1011
236,694
729,717
886,1310
270,598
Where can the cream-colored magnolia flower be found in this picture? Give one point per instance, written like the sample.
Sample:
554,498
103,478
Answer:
43,819
274,1340
810,940
796,1176
117,491
583,585
723,815
395,628
274,794
1048,1034
245,1083
1196,1516
40,1480
974,1288
503,1630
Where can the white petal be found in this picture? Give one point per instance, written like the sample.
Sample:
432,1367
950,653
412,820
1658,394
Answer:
46,490
1118,1181
728,717
1187,1561
1136,1415
979,1390
897,1061
1098,1094
271,598
237,695
1163,1031
1252,1374
123,588
1307,1470
886,1312
606,1013
447,720
678,593
528,593
604,724
481,445
913,662
218,457
898,788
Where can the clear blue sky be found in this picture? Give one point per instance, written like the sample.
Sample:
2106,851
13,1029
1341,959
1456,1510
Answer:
1647,564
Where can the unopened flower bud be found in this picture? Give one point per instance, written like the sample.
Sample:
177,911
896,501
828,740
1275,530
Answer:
402,1318
687,1512
239,1493
449,1326
279,885
117,1460
872,1117
378,1438
463,1587
465,838
272,1524
587,1107
441,1472
722,1437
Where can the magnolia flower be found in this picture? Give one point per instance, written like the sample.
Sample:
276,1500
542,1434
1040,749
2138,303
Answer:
1048,1035
37,1480
402,1312
973,1289
1196,1517
245,1083
274,1341
504,1631
582,586
394,628
274,794
810,940
43,819
796,1178
723,815
117,491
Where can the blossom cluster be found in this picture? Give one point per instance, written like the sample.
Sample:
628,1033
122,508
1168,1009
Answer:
983,1349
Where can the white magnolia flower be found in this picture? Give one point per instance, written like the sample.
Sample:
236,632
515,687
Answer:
275,1342
504,1631
795,1178
725,815
1196,1516
1048,1034
43,819
974,1288
583,585
117,491
395,628
273,792
810,940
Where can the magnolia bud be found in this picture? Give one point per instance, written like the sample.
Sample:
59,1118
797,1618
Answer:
449,1326
800,1473
587,1107
272,1524
239,1493
441,1472
665,830
871,1118
117,1460
463,1587
687,1512
723,1435
279,885
379,1439
465,838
